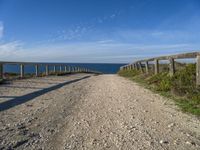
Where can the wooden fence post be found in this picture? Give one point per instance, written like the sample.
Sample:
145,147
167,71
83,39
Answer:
72,69
147,66
36,71
140,67
135,66
22,70
54,69
132,66
47,70
171,67
1,71
198,69
156,66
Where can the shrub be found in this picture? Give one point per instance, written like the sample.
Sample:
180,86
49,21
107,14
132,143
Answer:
162,81
184,81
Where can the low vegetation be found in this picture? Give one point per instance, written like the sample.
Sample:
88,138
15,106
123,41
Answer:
181,87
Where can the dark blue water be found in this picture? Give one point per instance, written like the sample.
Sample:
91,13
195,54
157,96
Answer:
104,68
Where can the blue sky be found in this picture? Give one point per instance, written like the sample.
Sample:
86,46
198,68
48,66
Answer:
112,31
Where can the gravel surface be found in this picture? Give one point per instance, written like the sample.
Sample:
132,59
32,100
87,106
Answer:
91,112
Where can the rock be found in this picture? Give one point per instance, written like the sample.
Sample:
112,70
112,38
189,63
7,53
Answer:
171,125
188,135
190,143
163,142
156,122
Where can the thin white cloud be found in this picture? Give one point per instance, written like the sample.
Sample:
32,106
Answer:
10,50
75,32
1,29
110,52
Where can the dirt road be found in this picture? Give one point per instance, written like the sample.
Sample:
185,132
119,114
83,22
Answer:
91,112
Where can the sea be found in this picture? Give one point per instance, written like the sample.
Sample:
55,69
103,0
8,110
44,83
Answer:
101,67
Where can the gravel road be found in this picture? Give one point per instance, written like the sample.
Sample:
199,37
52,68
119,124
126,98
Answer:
91,112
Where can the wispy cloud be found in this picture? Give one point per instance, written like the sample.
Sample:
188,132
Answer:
73,33
81,30
108,17
10,50
108,51
1,29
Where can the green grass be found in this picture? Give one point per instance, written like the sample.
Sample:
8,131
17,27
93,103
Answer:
181,87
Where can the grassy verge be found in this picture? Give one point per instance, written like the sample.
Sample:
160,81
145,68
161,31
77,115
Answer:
181,87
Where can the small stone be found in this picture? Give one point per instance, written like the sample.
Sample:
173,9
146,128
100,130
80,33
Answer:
156,122
187,142
188,135
163,142
190,143
171,125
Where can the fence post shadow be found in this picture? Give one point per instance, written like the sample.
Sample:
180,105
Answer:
30,96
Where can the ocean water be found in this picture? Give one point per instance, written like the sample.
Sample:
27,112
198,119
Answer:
104,68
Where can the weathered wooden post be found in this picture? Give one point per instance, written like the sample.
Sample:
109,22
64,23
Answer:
140,67
60,68
147,66
133,66
72,69
47,70
22,70
1,71
137,66
54,69
65,69
156,66
198,69
171,66
36,71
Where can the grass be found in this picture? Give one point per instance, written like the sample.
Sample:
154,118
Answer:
181,87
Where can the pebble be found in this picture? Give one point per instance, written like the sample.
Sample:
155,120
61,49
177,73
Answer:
163,142
171,125
190,143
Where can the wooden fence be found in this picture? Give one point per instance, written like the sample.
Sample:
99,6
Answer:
139,65
63,68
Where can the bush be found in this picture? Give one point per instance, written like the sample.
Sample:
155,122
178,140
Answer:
182,86
184,81
161,81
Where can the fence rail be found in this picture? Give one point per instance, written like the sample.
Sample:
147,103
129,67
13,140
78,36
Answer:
63,68
139,65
